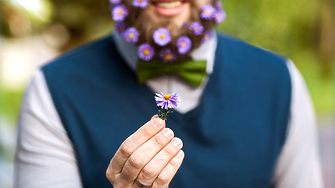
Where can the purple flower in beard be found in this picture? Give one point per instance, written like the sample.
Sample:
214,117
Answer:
115,2
207,36
162,36
184,44
167,101
140,3
208,12
168,55
220,16
197,28
119,13
145,52
131,35
120,27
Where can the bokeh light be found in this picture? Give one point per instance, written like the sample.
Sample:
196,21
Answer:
40,9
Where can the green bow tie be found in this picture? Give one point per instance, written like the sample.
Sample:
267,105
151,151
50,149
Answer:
192,71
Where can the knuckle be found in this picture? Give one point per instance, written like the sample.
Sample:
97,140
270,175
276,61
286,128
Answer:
110,176
135,162
158,141
146,132
169,151
174,163
148,172
162,180
125,150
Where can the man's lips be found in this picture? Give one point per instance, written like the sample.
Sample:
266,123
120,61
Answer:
167,1
169,7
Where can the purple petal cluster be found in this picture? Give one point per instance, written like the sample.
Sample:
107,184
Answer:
140,3
220,16
208,12
207,36
168,55
167,101
145,52
184,44
162,36
197,28
131,35
115,2
120,27
119,12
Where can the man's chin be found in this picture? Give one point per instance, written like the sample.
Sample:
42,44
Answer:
176,18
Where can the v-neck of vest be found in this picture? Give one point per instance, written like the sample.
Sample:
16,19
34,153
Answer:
183,118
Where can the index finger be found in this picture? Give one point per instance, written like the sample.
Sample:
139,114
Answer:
134,141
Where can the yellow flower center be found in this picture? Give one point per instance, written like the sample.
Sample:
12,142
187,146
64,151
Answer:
168,56
139,0
162,36
131,35
146,52
183,44
167,97
120,12
207,13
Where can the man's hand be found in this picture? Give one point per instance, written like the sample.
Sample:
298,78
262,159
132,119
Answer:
150,156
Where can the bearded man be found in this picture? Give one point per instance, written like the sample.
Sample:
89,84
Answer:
245,118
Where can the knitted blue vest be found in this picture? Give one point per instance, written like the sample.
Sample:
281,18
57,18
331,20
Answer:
232,139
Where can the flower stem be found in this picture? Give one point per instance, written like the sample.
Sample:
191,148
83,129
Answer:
163,115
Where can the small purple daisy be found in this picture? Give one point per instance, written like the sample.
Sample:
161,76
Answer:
184,44
131,35
145,52
119,13
115,2
167,101
197,28
220,16
208,12
218,5
140,3
162,36
207,36
120,27
185,24
167,55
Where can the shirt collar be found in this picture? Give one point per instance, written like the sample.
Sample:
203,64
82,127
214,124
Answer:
206,51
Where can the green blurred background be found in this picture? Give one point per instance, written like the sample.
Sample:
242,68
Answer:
33,32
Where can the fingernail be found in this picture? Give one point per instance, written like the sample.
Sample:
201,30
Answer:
176,142
155,116
180,153
168,133
158,123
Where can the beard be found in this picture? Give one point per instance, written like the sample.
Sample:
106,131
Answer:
147,24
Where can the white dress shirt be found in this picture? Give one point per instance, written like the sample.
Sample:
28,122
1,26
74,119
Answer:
45,155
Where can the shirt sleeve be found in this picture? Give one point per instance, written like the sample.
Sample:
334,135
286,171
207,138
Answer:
44,153
299,162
